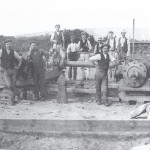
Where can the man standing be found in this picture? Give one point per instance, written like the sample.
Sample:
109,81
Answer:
123,46
57,39
102,60
8,60
98,46
111,41
36,56
85,49
72,53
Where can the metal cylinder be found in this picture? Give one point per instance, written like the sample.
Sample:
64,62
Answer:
135,74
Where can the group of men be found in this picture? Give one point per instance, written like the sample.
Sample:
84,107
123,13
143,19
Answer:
107,50
104,52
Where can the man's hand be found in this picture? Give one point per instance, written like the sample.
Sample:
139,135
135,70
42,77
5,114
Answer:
1,69
55,41
17,67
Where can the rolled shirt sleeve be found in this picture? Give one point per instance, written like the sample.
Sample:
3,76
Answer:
0,53
95,57
17,56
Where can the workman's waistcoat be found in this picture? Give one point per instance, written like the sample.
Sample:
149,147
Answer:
37,59
58,37
125,45
103,64
7,60
84,45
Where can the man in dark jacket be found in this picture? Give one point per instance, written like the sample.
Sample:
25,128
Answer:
102,65
8,63
36,56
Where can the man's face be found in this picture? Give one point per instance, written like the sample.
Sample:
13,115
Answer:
33,46
57,28
110,35
105,49
83,37
72,40
123,34
8,45
100,41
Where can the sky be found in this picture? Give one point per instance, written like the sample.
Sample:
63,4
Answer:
18,17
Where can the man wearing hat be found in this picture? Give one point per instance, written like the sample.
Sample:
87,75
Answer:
57,39
111,41
102,62
8,63
123,46
73,55
85,49
98,46
36,56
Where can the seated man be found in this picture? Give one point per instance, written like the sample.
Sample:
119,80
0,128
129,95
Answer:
72,53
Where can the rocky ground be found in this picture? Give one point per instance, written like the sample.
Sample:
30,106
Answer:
78,107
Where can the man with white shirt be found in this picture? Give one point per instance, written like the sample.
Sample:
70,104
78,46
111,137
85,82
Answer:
57,39
8,63
102,61
85,49
98,46
123,46
72,53
111,41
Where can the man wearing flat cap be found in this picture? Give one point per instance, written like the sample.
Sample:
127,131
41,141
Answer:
123,46
85,49
98,46
58,41
73,55
8,63
102,62
36,56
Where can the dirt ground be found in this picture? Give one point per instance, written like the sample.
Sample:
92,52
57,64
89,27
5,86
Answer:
37,142
78,107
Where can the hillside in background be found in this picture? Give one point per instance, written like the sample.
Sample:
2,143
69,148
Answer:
23,43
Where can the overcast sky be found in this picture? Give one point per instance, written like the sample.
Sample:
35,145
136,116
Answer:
30,16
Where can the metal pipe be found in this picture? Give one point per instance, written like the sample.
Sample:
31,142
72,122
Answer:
133,36
80,64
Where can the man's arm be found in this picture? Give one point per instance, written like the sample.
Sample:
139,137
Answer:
95,57
63,39
45,53
113,61
0,56
89,45
128,52
19,58
68,50
52,39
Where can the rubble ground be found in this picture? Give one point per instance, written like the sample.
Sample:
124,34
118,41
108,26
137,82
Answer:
79,107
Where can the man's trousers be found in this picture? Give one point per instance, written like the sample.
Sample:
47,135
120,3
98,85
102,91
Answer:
10,80
101,78
39,82
72,56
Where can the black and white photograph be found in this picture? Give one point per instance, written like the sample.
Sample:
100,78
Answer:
74,75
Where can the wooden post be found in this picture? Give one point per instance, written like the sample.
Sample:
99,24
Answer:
133,49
